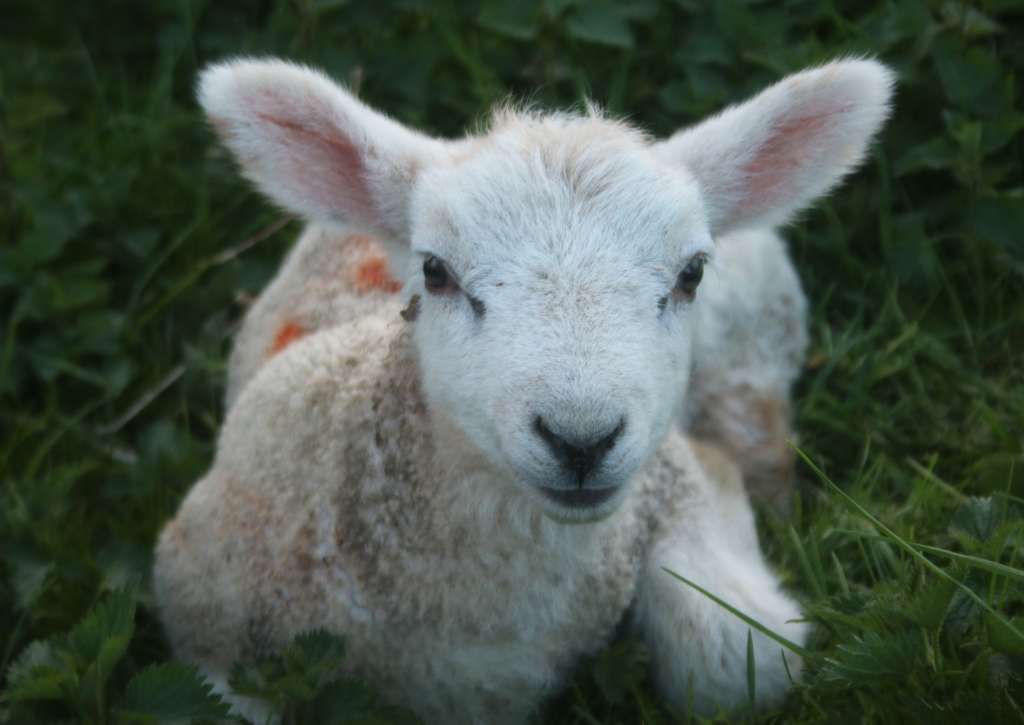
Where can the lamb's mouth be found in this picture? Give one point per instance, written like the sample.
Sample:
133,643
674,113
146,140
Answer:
580,498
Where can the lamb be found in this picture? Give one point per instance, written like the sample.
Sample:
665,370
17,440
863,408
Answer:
476,480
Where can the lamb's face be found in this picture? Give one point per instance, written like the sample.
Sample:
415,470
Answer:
557,265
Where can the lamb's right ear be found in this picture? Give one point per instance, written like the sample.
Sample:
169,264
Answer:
312,147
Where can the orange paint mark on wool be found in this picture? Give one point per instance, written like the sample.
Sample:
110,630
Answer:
288,333
373,274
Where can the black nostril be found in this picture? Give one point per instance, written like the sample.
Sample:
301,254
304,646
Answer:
579,457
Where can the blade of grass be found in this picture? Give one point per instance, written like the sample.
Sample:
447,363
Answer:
787,644
993,567
844,586
905,545
976,561
930,475
805,563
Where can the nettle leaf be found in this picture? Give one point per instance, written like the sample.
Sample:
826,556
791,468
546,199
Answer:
874,657
171,693
313,660
978,518
105,631
39,673
97,643
306,683
28,576
317,651
961,615
930,603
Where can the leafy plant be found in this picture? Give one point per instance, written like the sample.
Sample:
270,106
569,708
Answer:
72,673
306,684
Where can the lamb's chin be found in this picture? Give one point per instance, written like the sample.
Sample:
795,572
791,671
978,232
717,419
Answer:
577,506
579,515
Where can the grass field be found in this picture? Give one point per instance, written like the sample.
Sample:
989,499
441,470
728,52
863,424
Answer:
129,247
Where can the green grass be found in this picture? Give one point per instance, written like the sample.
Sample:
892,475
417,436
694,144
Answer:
118,297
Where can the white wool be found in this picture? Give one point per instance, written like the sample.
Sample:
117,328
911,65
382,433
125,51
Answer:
385,477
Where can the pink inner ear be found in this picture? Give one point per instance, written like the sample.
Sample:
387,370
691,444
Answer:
298,143
790,148
325,165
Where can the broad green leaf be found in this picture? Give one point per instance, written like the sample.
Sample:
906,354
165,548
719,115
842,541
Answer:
28,577
1000,219
510,17
935,154
39,673
105,630
978,518
972,78
929,605
170,693
601,21
874,657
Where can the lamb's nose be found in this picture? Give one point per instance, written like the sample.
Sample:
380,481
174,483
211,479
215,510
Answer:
579,456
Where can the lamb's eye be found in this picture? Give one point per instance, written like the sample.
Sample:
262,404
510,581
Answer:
436,277
690,277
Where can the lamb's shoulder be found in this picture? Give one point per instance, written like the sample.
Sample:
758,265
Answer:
305,409
330,277
256,543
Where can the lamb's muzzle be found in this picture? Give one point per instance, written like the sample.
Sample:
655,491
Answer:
578,456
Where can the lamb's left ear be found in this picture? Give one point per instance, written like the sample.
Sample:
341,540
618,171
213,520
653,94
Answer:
313,148
760,162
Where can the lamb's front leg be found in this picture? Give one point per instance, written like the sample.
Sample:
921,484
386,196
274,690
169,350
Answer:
696,645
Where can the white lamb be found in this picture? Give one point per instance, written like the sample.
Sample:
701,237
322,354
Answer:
476,491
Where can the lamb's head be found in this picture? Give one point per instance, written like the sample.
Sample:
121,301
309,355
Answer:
554,260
